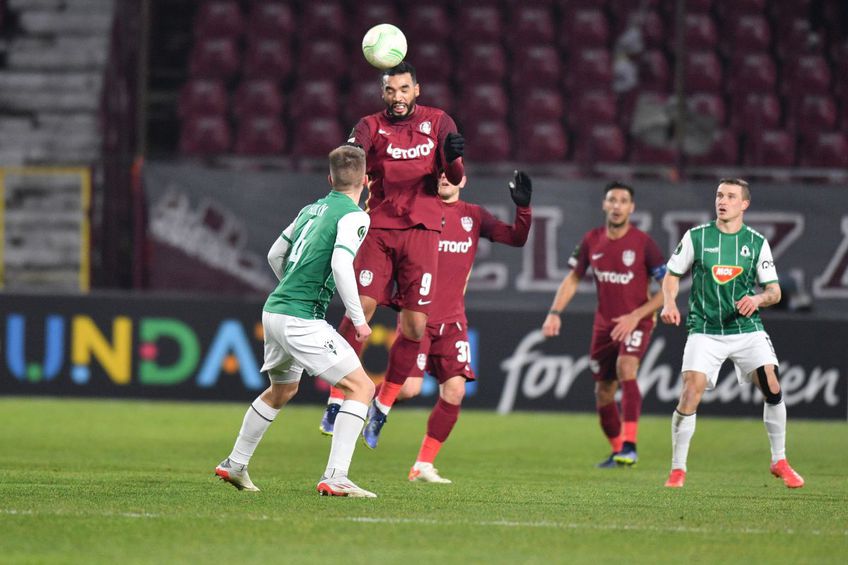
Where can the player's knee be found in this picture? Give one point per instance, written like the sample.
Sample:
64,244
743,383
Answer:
605,392
772,394
453,392
279,394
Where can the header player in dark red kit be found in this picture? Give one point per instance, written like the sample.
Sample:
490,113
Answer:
624,259
446,345
406,148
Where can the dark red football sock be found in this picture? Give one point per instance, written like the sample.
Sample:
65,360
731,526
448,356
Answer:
442,419
631,408
611,424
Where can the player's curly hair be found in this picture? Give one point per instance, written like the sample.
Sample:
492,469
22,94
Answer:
347,166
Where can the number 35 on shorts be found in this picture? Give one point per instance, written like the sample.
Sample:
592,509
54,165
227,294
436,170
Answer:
424,288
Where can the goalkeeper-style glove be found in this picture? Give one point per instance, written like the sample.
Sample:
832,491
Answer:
454,146
521,188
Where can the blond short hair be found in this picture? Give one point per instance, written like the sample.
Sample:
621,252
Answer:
347,166
743,184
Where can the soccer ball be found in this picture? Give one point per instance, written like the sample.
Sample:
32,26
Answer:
384,46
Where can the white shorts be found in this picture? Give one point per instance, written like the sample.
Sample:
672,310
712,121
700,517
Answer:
294,344
705,353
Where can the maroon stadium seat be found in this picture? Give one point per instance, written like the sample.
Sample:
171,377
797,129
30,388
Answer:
537,65
699,6
738,8
826,149
535,104
642,153
322,18
482,22
585,28
654,73
369,14
703,72
204,135
793,39
707,104
815,113
530,25
316,137
214,58
483,62
770,148
601,144
591,108
808,74
363,99
267,58
543,142
202,97
433,61
218,18
439,95
260,135
258,97
488,141
700,31
484,102
322,59
270,19
315,98
649,22
750,34
589,69
754,72
752,111
724,151
426,22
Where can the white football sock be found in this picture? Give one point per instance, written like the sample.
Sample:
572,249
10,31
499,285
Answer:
774,417
682,430
256,420
349,423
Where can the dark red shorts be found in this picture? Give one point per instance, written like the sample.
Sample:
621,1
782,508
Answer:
448,354
398,267
604,352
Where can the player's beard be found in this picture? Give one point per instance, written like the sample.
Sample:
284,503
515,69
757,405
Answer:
409,109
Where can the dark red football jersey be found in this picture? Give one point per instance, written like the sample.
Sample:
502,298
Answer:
404,157
465,224
623,269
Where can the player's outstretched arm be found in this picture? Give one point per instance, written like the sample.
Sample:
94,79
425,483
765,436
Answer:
566,291
521,188
670,287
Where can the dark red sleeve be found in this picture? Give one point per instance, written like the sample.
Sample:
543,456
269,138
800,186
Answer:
361,134
455,170
501,232
579,260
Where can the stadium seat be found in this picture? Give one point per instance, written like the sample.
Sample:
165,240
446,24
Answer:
260,135
482,22
770,148
202,97
589,69
536,104
649,22
204,136
814,113
530,25
700,31
270,19
753,72
699,6
808,74
316,137
488,141
483,62
642,153
794,38
322,18
267,58
654,73
591,108
729,10
432,61
426,22
538,65
826,149
543,141
751,34
323,59
601,144
369,14
218,18
257,97
724,151
214,58
314,99
707,104
363,99
439,95
752,111
484,102
585,29
703,72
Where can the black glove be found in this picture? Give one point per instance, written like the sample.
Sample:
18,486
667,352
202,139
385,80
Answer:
454,146
521,189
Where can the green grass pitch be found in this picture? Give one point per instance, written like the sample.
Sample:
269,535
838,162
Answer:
132,482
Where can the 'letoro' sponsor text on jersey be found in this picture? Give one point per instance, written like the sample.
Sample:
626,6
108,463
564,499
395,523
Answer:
725,268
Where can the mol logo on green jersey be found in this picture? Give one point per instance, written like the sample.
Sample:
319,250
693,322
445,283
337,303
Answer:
723,274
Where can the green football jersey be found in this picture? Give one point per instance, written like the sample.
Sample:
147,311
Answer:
725,268
307,284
